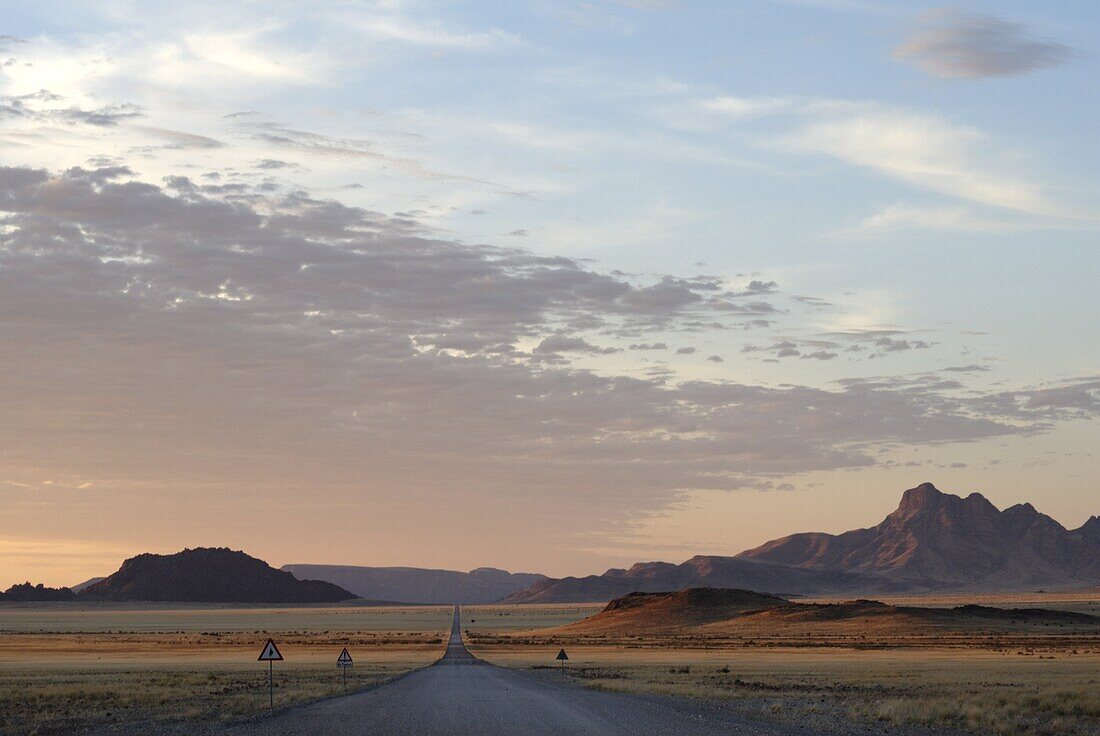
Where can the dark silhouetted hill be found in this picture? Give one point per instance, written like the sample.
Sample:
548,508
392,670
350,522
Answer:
27,592
214,575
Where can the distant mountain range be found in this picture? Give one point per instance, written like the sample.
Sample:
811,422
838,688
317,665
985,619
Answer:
934,541
702,571
938,540
214,575
416,585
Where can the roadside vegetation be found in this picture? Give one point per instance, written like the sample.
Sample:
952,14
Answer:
1028,680
64,701
142,668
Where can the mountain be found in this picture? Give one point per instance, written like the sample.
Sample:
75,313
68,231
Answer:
86,584
934,541
27,592
215,575
416,585
937,540
702,571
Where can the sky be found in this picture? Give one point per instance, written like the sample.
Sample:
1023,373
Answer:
546,286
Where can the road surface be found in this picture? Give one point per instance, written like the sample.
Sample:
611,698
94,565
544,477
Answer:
461,695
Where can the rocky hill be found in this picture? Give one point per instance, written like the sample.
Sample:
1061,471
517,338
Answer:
673,611
417,585
26,592
214,575
708,612
934,541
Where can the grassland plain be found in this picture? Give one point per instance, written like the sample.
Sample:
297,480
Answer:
1048,684
64,668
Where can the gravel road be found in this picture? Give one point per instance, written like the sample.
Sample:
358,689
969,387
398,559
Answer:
461,695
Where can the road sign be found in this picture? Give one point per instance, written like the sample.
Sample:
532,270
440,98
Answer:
562,657
270,653
343,662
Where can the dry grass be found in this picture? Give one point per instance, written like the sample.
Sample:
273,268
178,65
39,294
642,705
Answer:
162,664
1025,684
1022,708
979,693
62,701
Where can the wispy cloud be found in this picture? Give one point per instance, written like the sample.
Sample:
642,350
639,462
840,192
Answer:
924,150
435,34
927,151
904,216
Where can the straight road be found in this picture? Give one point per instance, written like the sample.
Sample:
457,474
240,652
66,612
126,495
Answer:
461,695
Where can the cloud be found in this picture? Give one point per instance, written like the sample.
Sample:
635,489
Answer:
906,217
876,343
435,34
746,107
181,139
566,344
182,343
317,144
39,107
924,150
956,45
927,151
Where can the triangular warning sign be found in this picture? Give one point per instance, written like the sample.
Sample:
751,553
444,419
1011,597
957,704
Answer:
270,653
344,660
562,656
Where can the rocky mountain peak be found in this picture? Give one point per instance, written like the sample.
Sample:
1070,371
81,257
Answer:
922,498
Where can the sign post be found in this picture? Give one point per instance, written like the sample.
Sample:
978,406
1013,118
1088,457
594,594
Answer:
343,662
270,654
562,657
